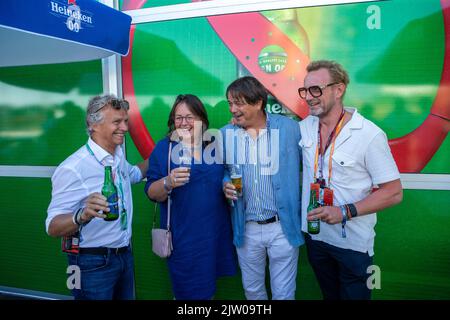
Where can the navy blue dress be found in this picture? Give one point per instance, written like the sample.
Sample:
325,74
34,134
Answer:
200,224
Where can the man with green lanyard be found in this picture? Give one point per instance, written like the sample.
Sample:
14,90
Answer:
100,248
344,157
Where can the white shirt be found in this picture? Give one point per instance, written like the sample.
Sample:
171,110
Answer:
361,160
82,174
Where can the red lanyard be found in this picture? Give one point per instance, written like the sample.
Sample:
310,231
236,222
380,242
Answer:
331,140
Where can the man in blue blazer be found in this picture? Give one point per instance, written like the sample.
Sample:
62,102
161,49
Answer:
266,216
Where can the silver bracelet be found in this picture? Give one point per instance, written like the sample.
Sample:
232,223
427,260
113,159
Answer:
166,187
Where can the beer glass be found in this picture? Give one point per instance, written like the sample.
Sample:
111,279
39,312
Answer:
236,179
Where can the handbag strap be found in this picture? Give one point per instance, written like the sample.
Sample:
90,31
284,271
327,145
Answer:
169,201
168,196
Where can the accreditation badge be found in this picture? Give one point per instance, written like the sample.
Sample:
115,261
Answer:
324,194
71,244
327,197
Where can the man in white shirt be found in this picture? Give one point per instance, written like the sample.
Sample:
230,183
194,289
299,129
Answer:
100,248
344,157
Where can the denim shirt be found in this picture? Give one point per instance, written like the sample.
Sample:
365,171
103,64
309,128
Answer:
285,181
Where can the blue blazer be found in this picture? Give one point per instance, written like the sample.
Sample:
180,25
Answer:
286,180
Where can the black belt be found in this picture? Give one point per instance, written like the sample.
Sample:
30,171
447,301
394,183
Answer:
101,251
270,220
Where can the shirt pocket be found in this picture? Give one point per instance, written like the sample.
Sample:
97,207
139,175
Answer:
308,152
344,167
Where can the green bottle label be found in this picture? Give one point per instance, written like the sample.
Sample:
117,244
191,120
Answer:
109,190
314,226
113,205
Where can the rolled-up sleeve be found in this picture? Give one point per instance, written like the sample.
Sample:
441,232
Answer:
380,162
134,173
68,192
156,170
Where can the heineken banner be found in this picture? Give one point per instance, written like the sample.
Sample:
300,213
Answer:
55,31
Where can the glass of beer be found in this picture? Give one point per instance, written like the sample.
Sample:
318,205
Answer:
236,179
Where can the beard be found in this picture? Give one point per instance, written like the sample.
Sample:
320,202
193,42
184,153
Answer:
318,108
315,107
316,111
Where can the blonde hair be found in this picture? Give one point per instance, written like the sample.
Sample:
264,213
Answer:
337,72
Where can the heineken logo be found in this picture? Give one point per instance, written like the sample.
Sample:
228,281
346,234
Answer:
71,12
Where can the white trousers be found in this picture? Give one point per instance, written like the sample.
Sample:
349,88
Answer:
260,241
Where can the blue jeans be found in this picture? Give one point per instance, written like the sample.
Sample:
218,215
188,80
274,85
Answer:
341,273
104,277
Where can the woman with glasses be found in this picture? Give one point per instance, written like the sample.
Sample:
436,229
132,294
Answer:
199,220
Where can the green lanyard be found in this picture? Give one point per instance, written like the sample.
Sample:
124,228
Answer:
123,213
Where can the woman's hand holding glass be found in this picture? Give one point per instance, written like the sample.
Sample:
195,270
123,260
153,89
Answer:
179,176
186,158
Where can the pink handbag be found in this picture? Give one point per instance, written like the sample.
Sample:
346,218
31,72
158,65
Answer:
162,242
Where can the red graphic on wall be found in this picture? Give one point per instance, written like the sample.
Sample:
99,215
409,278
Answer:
411,152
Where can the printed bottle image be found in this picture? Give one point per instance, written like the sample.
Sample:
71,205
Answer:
288,22
109,190
313,225
273,58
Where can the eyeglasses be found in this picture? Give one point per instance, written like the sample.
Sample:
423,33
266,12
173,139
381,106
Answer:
115,103
189,119
315,91
119,104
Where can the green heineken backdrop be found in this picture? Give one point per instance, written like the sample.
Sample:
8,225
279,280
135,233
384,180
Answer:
394,52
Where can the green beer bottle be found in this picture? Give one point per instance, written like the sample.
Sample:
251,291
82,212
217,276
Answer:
313,225
109,190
